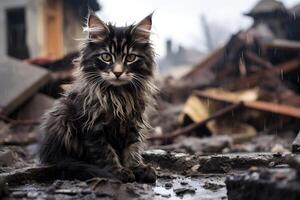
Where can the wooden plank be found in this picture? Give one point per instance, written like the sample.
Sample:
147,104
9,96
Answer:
18,82
257,105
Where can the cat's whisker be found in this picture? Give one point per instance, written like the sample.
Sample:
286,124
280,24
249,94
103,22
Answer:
134,85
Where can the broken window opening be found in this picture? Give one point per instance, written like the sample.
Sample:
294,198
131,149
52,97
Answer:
16,33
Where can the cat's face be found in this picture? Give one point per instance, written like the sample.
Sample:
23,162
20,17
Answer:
118,56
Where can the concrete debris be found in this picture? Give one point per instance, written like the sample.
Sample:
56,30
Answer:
16,88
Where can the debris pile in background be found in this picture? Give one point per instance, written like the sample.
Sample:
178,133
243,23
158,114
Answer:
246,89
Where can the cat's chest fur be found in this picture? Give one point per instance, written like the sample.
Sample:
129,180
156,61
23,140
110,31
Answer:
119,134
116,118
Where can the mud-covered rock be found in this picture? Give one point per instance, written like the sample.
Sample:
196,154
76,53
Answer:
220,163
264,184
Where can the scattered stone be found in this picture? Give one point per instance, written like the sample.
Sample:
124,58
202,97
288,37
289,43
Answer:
168,185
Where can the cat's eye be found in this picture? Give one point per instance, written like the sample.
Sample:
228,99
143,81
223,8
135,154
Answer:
106,57
131,58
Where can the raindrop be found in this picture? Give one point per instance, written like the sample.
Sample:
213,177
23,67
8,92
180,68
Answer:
294,15
281,74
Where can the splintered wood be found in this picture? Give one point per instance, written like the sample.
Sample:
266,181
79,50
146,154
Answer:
188,129
257,105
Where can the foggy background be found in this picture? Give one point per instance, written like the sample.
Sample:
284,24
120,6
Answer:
181,20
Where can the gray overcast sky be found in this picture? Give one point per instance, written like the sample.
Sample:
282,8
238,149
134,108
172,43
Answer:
180,19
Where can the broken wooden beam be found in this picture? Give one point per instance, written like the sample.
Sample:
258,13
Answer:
257,60
188,129
283,44
257,105
252,80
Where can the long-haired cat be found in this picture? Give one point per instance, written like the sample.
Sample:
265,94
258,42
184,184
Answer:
96,129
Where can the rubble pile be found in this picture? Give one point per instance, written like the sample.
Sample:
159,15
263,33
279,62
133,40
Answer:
246,89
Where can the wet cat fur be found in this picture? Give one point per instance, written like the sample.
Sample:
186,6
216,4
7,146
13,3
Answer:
96,129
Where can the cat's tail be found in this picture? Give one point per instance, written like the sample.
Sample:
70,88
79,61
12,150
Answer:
72,169
64,170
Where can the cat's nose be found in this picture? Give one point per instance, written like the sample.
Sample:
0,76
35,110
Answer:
118,74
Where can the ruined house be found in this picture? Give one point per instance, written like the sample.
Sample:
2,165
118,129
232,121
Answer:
33,28
273,15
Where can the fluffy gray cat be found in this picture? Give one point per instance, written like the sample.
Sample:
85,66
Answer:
96,129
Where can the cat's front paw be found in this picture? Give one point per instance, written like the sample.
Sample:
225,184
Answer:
125,175
144,173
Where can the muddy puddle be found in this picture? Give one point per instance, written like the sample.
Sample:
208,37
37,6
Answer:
190,188
167,187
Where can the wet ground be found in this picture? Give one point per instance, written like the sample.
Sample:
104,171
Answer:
175,187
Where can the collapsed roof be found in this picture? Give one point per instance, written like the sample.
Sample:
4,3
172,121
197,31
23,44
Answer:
267,6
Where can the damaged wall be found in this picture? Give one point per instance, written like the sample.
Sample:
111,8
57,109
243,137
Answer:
51,27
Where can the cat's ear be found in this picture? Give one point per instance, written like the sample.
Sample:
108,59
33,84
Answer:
95,26
142,30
